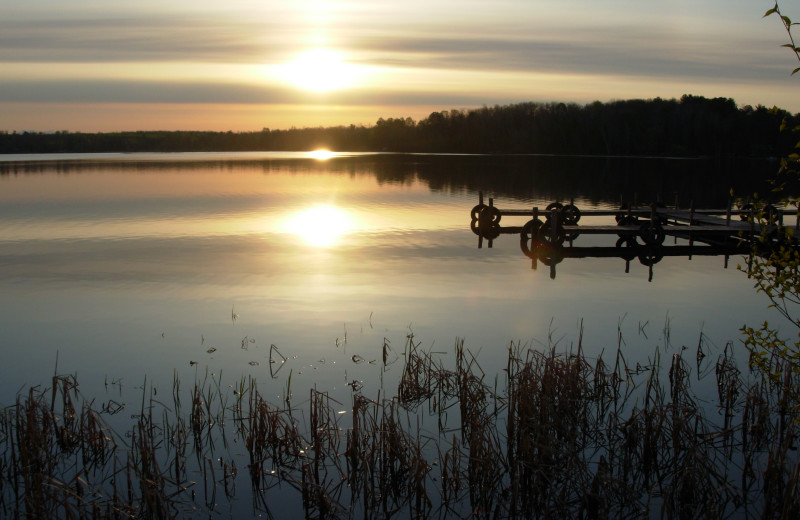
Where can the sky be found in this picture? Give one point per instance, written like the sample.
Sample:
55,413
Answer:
241,65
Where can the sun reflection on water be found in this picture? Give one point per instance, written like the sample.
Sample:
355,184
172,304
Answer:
322,154
322,225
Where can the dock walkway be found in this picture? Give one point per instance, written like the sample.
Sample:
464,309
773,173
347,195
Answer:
650,223
548,236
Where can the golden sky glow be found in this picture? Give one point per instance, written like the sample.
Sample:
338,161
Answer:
320,70
246,65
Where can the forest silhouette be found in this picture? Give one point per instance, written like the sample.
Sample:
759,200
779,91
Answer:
693,126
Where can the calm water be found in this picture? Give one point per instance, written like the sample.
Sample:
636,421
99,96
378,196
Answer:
121,267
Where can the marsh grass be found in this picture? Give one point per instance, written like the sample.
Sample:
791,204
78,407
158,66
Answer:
557,435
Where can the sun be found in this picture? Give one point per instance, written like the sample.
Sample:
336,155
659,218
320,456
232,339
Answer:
320,70
320,225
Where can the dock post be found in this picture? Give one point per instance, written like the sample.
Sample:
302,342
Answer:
534,257
491,204
652,216
480,198
728,213
691,223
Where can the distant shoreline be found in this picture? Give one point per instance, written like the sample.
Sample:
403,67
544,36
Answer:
691,127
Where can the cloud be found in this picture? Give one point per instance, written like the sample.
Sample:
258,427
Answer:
117,91
608,48
165,38
618,51
476,54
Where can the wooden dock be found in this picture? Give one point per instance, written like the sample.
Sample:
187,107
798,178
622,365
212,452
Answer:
650,223
640,231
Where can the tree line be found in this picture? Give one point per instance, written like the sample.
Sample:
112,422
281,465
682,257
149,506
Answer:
687,127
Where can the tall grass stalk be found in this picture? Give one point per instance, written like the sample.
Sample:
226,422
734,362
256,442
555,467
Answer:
559,435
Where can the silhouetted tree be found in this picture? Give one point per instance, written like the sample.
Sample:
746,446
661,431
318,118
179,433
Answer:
691,126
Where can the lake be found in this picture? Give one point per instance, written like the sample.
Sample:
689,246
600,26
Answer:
126,269
132,265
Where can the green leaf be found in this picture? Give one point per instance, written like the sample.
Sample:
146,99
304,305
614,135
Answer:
769,12
795,71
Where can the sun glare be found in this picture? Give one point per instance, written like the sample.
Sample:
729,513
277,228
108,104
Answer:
321,154
320,226
320,70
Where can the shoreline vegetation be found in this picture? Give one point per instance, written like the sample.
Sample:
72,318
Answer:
556,435
693,126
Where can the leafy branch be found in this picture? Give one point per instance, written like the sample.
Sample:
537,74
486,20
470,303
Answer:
787,24
774,265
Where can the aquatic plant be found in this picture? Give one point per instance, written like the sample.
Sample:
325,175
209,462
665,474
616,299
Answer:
558,435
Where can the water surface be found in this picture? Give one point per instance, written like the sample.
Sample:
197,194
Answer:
120,266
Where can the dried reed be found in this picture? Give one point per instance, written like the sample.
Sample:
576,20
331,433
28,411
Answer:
563,436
